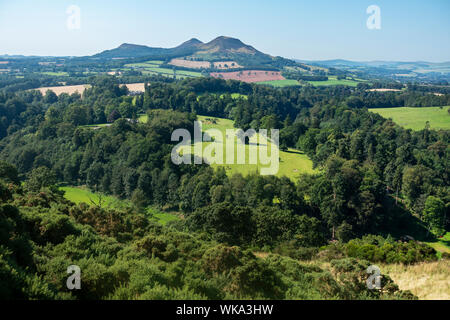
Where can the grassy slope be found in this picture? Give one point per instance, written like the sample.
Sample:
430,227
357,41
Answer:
442,244
81,194
416,118
292,163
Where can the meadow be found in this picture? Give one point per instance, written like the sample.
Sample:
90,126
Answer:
441,244
416,118
83,195
280,83
293,162
154,67
333,81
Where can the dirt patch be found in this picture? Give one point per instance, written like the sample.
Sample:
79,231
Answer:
249,75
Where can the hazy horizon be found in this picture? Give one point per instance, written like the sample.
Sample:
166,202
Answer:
411,31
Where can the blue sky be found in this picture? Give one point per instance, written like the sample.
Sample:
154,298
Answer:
411,30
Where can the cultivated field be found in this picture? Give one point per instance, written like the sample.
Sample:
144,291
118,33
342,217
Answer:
249,75
65,89
190,64
154,67
224,65
384,90
281,83
292,163
333,81
80,88
416,118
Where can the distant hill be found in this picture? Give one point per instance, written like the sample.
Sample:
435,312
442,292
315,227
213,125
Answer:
221,48
394,66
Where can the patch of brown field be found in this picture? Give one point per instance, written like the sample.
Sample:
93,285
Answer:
190,64
138,87
249,75
384,90
221,65
428,280
224,65
65,89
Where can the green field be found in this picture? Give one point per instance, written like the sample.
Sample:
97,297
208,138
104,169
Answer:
292,163
442,244
281,83
333,81
416,118
153,67
83,195
146,64
79,195
56,74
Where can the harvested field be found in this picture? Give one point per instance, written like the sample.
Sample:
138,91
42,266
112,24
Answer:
190,64
224,65
221,65
65,89
384,90
137,87
249,75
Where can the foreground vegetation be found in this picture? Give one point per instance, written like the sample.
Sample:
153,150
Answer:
428,281
374,178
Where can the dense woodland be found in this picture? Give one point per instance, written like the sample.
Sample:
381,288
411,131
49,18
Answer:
377,183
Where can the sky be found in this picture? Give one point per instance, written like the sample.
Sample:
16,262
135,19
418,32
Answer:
410,30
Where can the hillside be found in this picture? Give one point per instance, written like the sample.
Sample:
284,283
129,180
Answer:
220,48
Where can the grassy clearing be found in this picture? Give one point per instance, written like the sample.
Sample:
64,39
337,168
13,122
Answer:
428,281
281,83
441,244
80,195
333,81
83,195
143,118
416,118
292,163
